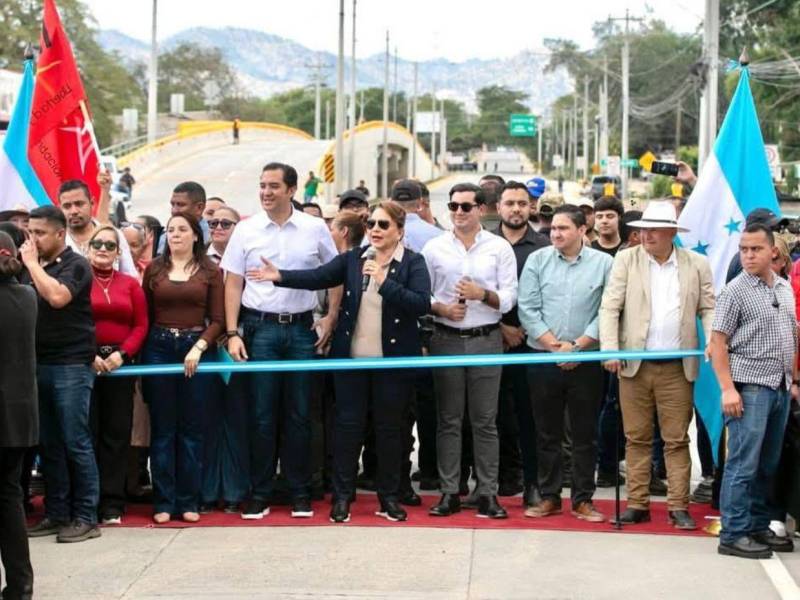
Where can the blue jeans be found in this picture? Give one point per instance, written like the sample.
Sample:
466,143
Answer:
754,449
284,396
177,421
226,467
72,489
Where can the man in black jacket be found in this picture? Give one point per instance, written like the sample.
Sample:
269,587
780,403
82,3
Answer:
19,421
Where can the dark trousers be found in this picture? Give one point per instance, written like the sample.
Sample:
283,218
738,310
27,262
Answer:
226,464
111,418
177,420
387,394
553,389
72,487
425,413
279,396
704,447
611,435
13,537
515,423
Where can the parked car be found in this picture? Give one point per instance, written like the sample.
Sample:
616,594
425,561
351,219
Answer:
599,183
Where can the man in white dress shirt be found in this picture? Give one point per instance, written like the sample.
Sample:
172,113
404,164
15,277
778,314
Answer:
277,324
652,301
474,282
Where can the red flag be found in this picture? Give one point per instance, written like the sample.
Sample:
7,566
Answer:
61,143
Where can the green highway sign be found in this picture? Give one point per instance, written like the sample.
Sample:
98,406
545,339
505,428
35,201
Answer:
630,162
521,125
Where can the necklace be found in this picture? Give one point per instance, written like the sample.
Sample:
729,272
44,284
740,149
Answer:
107,287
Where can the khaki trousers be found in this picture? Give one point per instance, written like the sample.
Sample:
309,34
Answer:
661,389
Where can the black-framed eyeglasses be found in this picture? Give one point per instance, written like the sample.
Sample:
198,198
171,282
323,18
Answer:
109,245
382,223
464,206
224,224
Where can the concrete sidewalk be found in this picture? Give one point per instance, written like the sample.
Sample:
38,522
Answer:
401,562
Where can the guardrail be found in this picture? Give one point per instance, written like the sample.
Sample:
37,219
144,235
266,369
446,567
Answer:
123,148
412,362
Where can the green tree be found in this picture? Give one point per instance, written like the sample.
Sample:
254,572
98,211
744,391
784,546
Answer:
109,86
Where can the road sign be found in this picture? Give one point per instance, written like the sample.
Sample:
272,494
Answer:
629,162
558,161
328,168
521,125
774,160
612,166
646,160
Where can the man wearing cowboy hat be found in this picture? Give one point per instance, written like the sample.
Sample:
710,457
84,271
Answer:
655,293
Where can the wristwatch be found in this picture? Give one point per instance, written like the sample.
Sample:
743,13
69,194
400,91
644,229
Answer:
201,345
485,299
232,334
576,347
124,355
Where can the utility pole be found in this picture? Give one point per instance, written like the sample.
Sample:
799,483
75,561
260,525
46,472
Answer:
317,69
327,119
678,124
564,157
394,93
339,152
573,137
351,158
586,127
385,148
540,133
708,101
414,123
433,132
626,98
604,125
442,138
152,84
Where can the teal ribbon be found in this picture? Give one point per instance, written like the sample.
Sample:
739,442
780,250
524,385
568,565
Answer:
413,362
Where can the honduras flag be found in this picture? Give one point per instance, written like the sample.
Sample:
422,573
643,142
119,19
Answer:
19,184
735,180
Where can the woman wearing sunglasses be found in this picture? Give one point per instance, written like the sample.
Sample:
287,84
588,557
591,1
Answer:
185,294
386,288
119,310
221,226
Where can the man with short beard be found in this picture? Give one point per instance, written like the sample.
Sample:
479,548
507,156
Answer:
515,423
75,201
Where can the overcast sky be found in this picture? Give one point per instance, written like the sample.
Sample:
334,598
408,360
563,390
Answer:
421,29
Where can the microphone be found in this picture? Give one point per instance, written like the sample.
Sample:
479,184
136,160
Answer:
370,254
463,300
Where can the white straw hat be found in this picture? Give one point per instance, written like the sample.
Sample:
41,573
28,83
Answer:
659,214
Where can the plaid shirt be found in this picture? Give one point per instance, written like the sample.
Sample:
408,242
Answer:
761,327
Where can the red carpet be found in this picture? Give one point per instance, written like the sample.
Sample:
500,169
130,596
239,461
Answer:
363,515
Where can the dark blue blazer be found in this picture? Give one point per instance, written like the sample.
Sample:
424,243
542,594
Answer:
406,296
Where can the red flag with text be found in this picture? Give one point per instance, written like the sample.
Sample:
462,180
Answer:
61,141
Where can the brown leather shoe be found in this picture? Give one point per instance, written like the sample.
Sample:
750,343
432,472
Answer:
585,511
545,508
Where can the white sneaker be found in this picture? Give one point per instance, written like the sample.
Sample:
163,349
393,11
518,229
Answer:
778,528
112,521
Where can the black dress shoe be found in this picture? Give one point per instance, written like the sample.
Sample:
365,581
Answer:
608,480
632,516
744,547
206,507
681,519
488,508
775,542
230,508
391,510
340,511
449,504
531,495
410,498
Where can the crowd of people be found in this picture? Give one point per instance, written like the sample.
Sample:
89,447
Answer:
520,271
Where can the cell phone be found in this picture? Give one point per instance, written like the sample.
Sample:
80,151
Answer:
664,168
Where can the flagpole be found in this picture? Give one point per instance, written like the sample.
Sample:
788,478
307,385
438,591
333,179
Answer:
90,126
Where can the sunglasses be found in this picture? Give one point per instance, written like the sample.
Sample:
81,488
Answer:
382,223
137,226
99,244
465,206
221,223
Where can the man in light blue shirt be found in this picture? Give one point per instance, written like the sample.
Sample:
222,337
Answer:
417,232
560,290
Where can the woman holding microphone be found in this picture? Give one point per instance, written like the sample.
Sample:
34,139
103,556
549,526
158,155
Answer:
386,288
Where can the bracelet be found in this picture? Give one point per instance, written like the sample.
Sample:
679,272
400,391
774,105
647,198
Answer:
201,345
232,334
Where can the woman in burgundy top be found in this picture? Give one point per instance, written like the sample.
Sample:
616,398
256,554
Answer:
120,315
184,293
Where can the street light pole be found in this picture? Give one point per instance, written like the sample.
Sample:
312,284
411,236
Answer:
339,152
351,158
385,147
414,124
708,103
433,133
152,84
586,128
626,99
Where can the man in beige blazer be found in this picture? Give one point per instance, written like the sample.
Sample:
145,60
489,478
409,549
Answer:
655,293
